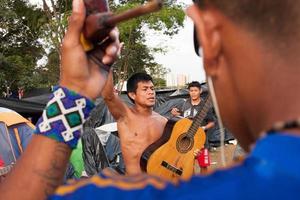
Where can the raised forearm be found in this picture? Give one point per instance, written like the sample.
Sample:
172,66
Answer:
115,105
39,171
42,166
108,90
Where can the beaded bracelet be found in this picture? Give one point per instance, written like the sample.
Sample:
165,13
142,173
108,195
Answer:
64,116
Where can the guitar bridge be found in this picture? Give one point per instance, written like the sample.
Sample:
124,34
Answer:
171,168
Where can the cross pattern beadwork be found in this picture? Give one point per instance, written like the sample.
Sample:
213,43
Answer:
72,118
53,110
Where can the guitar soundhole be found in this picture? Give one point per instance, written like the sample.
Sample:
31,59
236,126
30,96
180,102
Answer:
184,143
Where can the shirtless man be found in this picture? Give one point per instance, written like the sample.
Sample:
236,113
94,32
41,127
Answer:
138,126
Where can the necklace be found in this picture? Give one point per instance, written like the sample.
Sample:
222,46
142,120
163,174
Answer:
279,126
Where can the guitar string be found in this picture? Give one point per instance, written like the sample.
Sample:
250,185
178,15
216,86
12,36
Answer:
200,116
195,126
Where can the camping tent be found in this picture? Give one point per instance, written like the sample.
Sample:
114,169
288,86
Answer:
15,134
25,108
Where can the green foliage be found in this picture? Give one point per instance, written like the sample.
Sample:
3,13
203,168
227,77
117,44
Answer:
56,13
16,71
20,48
49,74
28,32
136,55
159,83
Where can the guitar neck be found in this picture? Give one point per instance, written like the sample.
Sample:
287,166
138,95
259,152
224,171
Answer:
198,119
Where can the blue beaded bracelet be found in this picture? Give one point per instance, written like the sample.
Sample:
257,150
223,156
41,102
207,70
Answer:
64,116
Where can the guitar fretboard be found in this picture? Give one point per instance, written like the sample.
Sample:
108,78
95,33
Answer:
206,105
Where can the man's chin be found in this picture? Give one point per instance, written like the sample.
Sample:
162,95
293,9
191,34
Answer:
151,105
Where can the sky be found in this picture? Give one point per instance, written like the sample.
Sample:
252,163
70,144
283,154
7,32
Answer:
180,57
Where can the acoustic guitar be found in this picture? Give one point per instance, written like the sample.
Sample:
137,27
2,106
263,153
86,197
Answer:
172,156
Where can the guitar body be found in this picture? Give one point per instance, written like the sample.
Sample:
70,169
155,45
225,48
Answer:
172,156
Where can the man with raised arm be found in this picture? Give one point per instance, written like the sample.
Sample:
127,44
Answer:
251,58
138,126
41,168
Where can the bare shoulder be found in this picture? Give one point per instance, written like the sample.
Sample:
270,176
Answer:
131,111
159,117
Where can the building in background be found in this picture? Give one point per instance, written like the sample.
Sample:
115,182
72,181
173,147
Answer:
177,80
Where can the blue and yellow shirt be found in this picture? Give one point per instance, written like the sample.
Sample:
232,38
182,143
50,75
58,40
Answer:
271,171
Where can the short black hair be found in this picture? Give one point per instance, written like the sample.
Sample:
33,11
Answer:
194,84
271,20
132,82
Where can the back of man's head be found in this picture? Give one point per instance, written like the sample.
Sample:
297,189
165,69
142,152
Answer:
247,44
275,21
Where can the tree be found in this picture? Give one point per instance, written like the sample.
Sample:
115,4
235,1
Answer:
19,46
136,56
28,33
57,13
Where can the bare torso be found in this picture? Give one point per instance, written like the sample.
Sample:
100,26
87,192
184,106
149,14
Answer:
136,133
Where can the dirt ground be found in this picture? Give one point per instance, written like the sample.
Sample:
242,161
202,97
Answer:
215,158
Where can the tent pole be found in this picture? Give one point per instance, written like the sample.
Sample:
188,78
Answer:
10,143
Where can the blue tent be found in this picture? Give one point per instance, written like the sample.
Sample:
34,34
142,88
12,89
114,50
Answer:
15,134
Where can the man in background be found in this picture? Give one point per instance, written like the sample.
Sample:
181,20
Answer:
138,126
193,105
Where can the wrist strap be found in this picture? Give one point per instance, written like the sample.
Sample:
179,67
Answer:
97,54
64,116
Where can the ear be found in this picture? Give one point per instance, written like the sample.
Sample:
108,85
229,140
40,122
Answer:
132,95
207,25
